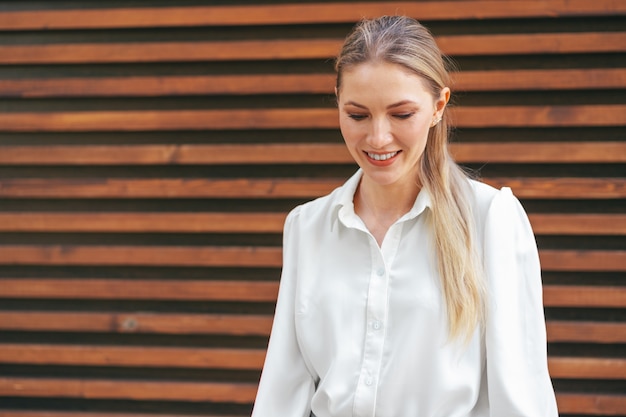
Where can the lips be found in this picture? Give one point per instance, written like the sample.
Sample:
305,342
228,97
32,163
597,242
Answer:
381,156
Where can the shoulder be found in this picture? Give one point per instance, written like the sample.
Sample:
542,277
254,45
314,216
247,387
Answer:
485,198
496,206
315,213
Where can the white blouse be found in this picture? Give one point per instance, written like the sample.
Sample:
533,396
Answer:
361,330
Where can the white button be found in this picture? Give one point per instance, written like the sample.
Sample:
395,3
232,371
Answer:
376,325
381,272
369,381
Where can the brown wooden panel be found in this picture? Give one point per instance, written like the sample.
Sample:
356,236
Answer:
311,118
32,413
587,368
127,390
530,188
237,359
118,289
133,356
584,296
586,332
166,188
142,222
283,49
299,153
171,85
591,404
172,323
101,53
559,79
532,43
597,404
539,116
583,260
121,289
165,120
157,323
577,224
552,260
506,80
556,188
215,256
270,153
297,14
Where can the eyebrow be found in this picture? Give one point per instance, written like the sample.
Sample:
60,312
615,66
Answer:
391,106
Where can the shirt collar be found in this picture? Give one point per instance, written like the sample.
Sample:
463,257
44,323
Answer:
343,206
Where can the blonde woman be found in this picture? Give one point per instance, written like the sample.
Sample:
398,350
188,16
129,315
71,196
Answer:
410,291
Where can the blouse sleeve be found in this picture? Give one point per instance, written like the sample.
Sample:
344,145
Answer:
515,336
286,386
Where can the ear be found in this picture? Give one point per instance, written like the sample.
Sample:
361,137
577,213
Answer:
336,93
441,102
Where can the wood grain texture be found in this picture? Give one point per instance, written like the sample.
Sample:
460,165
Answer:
248,84
300,153
110,18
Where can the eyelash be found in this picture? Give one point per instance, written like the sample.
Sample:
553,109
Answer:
359,117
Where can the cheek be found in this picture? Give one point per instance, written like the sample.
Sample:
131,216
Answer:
349,131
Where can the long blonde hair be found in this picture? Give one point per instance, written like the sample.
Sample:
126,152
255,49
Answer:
404,41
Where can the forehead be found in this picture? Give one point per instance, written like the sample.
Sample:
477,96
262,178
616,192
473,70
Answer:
382,78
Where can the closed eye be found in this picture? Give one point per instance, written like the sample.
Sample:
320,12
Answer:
403,116
356,117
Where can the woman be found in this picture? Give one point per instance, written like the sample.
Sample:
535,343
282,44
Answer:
410,291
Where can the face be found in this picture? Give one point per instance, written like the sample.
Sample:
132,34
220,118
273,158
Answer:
385,114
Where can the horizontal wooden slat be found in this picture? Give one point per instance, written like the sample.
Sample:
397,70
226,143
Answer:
256,325
588,404
165,188
586,332
237,359
587,368
296,14
591,404
584,296
133,356
153,323
149,86
298,153
102,53
143,222
270,153
555,79
552,260
578,224
127,389
282,49
256,222
570,188
583,260
532,43
214,256
34,413
310,118
529,188
120,289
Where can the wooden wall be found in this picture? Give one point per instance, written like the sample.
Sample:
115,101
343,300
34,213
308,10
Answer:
149,154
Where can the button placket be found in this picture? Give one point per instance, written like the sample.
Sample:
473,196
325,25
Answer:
376,311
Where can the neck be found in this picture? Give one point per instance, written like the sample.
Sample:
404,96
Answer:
380,206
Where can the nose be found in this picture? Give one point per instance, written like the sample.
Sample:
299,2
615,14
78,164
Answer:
380,133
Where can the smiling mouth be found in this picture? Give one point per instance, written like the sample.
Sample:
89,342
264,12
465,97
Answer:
382,156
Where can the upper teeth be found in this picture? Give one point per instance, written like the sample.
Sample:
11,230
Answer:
382,157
